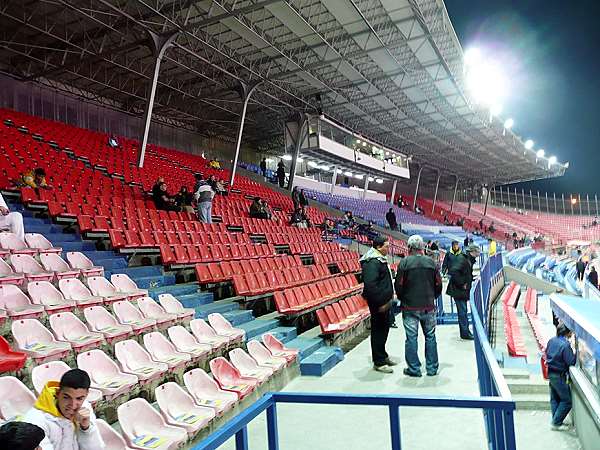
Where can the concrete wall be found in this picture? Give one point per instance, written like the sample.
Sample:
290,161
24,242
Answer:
586,410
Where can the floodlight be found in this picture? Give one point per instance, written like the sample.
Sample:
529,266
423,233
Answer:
378,181
364,144
359,176
340,171
496,110
300,160
508,123
472,56
540,153
325,168
313,164
269,160
371,179
552,160
529,144
348,174
287,157
573,200
358,141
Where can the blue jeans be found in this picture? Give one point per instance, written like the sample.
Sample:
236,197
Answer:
205,212
411,321
560,397
463,318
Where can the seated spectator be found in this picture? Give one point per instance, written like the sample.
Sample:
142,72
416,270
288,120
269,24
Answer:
11,221
259,209
164,201
21,436
112,142
348,220
183,199
435,246
35,178
303,199
214,164
156,188
216,185
297,219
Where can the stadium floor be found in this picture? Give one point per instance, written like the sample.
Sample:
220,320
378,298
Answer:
323,427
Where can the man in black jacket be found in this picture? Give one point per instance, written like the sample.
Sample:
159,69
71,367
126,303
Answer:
593,277
418,285
391,219
451,257
378,292
459,287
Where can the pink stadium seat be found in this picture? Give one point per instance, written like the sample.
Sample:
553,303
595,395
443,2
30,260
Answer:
127,286
38,342
112,439
54,263
78,260
53,371
68,328
230,379
164,351
141,423
134,359
276,348
30,267
152,310
8,275
264,357
206,392
185,342
128,314
16,303
44,293
40,243
248,366
101,287
102,321
173,306
179,409
206,335
73,289
105,374
17,399
224,328
13,243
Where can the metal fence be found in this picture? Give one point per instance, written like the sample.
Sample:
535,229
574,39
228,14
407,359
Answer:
495,400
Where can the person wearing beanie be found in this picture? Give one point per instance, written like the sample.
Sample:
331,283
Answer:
21,436
378,291
459,286
418,284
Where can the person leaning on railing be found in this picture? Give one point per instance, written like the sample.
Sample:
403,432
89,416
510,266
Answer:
559,357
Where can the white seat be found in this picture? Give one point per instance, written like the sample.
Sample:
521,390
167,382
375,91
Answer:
127,286
164,351
111,438
276,348
152,310
54,263
224,328
8,275
101,321
128,314
136,360
140,423
230,378
178,408
78,260
13,243
40,243
44,293
101,287
16,303
264,357
15,399
248,366
74,289
67,327
206,335
105,373
206,391
185,341
53,371
173,306
28,266
38,342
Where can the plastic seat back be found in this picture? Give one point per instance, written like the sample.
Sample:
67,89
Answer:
137,418
126,312
158,345
30,331
182,338
123,283
99,318
17,399
11,241
199,383
44,293
98,365
170,304
101,286
12,298
131,355
74,289
54,263
201,329
67,326
38,241
224,372
172,400
26,264
113,440
219,323
78,260
51,371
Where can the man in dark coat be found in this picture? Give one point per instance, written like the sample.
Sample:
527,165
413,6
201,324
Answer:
459,286
281,173
296,197
593,277
263,167
580,266
391,219
451,257
379,293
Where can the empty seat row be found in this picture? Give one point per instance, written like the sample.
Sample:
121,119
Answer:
260,283
335,256
309,248
135,239
217,272
33,244
512,331
285,238
192,254
340,316
349,266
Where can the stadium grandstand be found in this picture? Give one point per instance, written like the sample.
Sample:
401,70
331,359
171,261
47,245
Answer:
237,319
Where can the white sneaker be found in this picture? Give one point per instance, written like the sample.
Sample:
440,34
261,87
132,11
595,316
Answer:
383,369
562,427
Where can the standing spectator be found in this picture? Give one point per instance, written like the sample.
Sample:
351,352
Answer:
296,197
21,436
459,287
593,277
580,266
65,416
451,257
391,219
263,167
11,221
491,247
379,293
156,188
418,285
203,195
281,174
466,241
303,200
559,357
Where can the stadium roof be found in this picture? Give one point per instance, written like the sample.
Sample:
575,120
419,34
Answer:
390,69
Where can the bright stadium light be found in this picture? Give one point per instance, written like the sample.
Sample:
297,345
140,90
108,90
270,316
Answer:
269,160
313,164
495,110
540,153
508,123
378,181
472,56
287,157
552,160
358,141
566,165
371,179
529,144
573,201
359,176
374,148
348,174
364,144
300,160
325,168
485,79
340,171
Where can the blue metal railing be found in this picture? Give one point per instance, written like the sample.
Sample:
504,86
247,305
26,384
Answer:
495,400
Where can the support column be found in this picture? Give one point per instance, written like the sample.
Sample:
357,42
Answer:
531,198
470,191
417,188
508,195
364,196
159,44
437,185
333,179
523,194
301,129
501,197
587,199
596,198
539,202
571,202
245,92
487,198
547,205
393,192
454,195
563,202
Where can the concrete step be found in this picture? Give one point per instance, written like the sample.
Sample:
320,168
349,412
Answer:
176,290
110,264
55,238
42,228
102,254
538,402
77,246
195,299
307,346
141,271
239,318
258,327
151,282
284,334
529,386
321,361
515,374
35,221
222,306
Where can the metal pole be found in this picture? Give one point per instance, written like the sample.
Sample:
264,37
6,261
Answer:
563,202
393,192
523,193
587,199
333,179
245,94
364,196
159,44
417,188
531,198
547,206
517,199
301,129
501,197
487,197
508,195
470,202
579,200
571,201
454,195
437,185
596,198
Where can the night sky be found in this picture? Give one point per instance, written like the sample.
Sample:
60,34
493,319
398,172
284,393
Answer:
551,51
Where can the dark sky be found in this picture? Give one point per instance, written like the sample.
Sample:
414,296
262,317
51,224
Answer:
551,51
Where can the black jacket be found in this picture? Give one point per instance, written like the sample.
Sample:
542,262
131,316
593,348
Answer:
418,283
391,219
449,261
461,277
377,279
593,278
303,199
